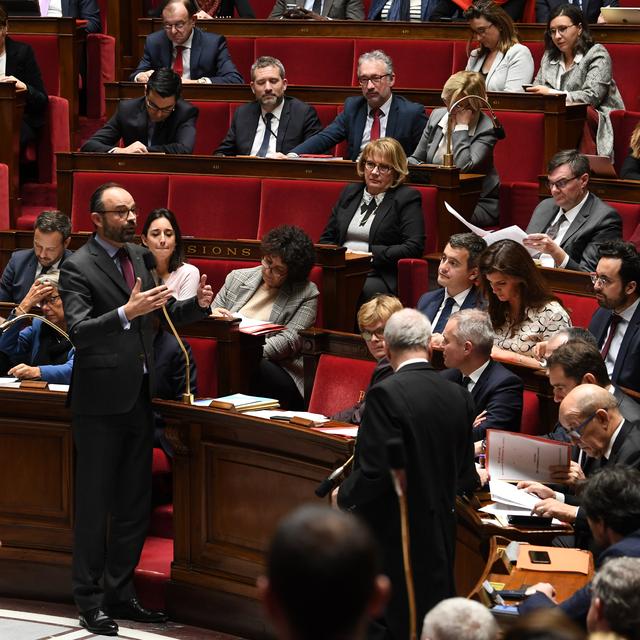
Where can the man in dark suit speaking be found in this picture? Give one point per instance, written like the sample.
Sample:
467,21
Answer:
377,114
196,56
109,296
571,224
433,417
160,122
274,122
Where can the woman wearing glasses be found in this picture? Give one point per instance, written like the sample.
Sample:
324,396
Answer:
572,64
472,140
277,291
522,308
379,216
38,351
505,63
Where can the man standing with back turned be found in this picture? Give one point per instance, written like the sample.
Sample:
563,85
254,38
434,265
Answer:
109,297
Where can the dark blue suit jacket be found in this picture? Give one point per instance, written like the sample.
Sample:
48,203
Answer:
405,123
499,392
626,371
577,606
83,10
19,274
430,302
375,10
209,57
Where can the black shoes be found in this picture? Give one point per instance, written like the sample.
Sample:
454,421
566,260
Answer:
133,610
98,622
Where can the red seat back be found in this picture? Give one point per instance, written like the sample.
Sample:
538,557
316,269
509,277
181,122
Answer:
5,220
316,277
205,355
47,56
623,122
517,202
339,383
625,60
262,8
430,214
302,59
211,127
630,214
530,423
524,131
241,52
580,308
215,207
537,51
413,280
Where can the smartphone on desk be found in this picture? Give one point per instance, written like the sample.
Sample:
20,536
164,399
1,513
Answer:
539,557
529,521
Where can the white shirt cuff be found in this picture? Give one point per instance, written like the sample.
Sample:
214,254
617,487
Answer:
126,325
560,497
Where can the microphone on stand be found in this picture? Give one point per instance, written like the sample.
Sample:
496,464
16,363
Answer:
330,481
151,264
397,467
8,323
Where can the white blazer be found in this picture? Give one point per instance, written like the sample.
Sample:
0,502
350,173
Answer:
509,70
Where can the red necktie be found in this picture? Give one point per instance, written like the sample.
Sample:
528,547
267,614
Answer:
615,320
375,125
127,267
177,63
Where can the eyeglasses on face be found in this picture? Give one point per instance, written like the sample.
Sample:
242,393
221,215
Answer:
602,281
383,169
480,31
375,80
560,184
155,107
178,26
278,271
575,433
560,31
49,301
369,335
123,212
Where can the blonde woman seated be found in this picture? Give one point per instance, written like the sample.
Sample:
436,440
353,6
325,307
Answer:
472,138
522,308
505,63
278,291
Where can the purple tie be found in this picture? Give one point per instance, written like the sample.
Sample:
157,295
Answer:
127,267
44,7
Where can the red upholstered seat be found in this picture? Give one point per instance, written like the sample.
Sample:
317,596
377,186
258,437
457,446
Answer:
262,8
623,122
530,423
306,203
149,191
517,202
215,207
161,525
625,59
630,214
205,354
430,213
537,51
580,308
241,51
153,572
418,64
460,56
217,270
413,280
524,131
326,112
211,127
101,68
54,138
5,220
47,54
302,59
339,383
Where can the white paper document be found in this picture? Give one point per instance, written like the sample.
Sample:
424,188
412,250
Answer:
58,387
268,414
508,495
10,382
516,456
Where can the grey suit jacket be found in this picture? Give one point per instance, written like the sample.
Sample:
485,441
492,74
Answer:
295,307
471,154
509,71
595,223
334,9
590,80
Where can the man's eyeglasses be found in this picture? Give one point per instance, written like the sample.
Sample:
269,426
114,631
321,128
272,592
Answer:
178,26
124,212
575,433
383,169
375,80
279,272
560,184
603,281
560,30
155,107
368,335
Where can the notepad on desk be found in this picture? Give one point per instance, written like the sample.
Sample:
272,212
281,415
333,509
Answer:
242,402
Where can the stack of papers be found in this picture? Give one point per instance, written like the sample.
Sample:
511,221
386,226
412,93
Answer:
258,327
243,402
12,383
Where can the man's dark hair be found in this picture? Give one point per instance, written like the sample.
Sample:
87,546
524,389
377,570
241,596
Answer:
629,259
95,204
577,358
473,243
612,496
189,5
53,220
295,249
316,553
165,82
578,162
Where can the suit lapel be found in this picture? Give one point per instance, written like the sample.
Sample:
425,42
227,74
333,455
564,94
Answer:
434,143
167,52
246,289
434,305
545,220
359,125
381,212
619,443
494,66
285,118
196,50
347,214
142,126
579,220
628,337
107,265
483,381
392,120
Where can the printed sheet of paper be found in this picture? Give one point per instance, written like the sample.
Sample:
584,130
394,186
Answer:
515,456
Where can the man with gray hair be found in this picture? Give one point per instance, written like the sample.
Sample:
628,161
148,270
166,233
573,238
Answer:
433,418
377,114
51,237
459,619
497,392
273,123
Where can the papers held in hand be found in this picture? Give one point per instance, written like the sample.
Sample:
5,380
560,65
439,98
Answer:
516,456
241,402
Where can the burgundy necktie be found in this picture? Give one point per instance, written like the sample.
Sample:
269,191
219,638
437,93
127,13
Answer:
127,267
613,324
177,63
375,125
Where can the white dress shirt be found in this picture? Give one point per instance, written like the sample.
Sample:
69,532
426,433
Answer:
618,336
570,216
357,238
457,304
55,9
262,127
384,116
475,375
3,64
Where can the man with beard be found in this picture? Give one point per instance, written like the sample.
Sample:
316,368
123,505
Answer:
615,325
274,122
109,297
